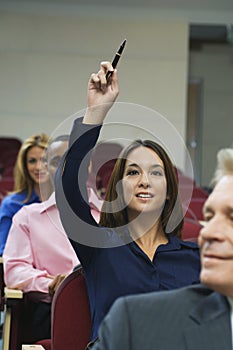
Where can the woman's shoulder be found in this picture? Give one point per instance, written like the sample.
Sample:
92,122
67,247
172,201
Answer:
17,199
185,244
14,197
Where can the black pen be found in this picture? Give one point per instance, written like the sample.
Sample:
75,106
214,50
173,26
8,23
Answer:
116,58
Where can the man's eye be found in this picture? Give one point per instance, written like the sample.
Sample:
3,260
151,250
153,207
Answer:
44,160
55,163
207,217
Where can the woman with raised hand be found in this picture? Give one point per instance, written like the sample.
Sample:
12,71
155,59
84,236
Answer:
136,248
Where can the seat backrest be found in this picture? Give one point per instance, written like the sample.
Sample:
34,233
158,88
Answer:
196,205
71,318
6,185
199,192
9,147
191,230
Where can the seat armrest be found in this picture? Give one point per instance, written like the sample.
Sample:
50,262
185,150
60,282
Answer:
32,347
13,293
13,297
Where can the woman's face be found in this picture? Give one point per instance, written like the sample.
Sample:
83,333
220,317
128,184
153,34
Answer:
144,182
36,165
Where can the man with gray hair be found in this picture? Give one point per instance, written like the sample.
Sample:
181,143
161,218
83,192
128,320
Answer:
196,317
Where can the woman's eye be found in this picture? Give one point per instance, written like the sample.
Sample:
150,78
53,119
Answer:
132,172
157,173
31,160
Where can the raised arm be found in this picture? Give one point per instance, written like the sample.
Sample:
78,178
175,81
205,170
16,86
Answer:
71,177
101,94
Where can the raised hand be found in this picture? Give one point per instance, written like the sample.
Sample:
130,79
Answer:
102,94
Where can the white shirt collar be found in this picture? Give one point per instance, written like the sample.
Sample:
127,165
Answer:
51,201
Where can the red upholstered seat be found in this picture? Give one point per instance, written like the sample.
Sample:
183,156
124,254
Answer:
9,147
71,319
6,185
196,206
191,230
70,316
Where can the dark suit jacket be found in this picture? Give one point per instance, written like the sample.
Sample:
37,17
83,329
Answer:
191,318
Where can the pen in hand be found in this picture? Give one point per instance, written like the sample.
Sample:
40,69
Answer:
116,58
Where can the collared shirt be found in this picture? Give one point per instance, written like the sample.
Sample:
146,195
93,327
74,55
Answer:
95,204
231,308
9,206
124,269
37,247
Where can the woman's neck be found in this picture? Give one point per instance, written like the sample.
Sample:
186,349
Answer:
142,229
147,237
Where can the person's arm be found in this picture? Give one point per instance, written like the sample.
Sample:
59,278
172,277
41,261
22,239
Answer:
18,260
72,174
114,331
7,211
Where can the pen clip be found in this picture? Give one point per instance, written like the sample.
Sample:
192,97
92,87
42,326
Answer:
116,58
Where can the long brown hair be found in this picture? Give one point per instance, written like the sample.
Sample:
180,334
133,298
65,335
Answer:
111,216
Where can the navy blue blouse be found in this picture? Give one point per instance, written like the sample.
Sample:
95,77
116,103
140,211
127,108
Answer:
112,268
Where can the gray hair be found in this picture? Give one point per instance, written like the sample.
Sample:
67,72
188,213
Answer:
224,165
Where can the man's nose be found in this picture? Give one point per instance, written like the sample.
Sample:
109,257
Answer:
212,230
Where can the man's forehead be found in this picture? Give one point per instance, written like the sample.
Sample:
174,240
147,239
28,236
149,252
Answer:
223,191
56,148
225,184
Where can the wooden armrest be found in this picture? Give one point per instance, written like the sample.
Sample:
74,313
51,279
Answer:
13,293
13,298
33,347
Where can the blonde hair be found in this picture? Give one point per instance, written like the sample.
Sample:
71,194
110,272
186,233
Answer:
22,180
224,165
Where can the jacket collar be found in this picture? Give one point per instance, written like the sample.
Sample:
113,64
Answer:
211,328
211,307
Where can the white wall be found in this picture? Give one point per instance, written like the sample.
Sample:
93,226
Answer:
46,60
214,65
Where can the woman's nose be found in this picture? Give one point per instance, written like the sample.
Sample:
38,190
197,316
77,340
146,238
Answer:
143,181
40,164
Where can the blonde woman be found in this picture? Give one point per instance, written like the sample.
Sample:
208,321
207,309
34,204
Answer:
31,182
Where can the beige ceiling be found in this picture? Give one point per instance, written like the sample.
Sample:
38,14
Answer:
221,5
195,11
212,5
